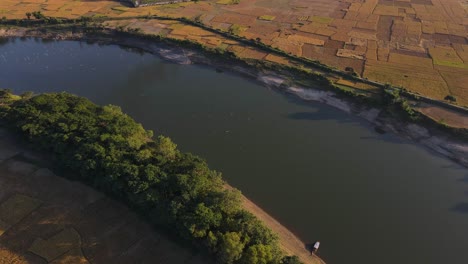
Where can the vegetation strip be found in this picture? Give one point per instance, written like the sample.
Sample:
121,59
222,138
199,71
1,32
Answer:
107,149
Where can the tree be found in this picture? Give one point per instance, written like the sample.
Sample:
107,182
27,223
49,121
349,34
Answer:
291,260
28,15
38,15
258,254
166,148
202,220
230,247
27,95
450,98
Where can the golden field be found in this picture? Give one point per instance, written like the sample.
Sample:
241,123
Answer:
418,44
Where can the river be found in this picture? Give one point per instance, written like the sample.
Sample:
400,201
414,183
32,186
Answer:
323,173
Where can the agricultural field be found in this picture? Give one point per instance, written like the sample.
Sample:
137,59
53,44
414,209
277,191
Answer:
420,45
48,219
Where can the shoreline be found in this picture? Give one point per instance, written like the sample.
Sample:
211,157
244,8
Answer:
436,141
431,138
288,241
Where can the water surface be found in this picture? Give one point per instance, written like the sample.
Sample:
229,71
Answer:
325,174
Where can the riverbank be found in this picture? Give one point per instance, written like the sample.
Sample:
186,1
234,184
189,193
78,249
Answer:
289,243
270,79
431,135
233,215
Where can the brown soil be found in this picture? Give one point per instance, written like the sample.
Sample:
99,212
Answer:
446,116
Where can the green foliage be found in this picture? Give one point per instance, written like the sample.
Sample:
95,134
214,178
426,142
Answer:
290,260
104,147
258,254
393,99
38,15
231,247
450,98
6,97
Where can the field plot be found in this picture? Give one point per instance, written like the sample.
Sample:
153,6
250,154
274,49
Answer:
424,81
52,220
445,116
410,60
15,209
59,244
396,33
446,56
358,86
457,80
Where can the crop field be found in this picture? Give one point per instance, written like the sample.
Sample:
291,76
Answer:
380,40
421,80
57,245
48,219
446,56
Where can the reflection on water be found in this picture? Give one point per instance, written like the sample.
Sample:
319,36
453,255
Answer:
369,198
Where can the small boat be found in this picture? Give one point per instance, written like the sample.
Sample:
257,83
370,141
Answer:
316,246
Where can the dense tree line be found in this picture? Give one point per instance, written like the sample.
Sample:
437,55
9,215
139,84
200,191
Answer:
107,149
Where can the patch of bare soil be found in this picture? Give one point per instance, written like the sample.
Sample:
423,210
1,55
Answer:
445,116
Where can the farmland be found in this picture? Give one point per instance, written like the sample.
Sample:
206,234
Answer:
419,46
388,41
414,44
48,219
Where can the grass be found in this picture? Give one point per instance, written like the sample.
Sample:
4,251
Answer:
267,17
237,29
446,56
228,2
57,245
121,8
16,208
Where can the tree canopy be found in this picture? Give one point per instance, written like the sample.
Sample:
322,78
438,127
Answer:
105,148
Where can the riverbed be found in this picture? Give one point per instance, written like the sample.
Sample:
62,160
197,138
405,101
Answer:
322,172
